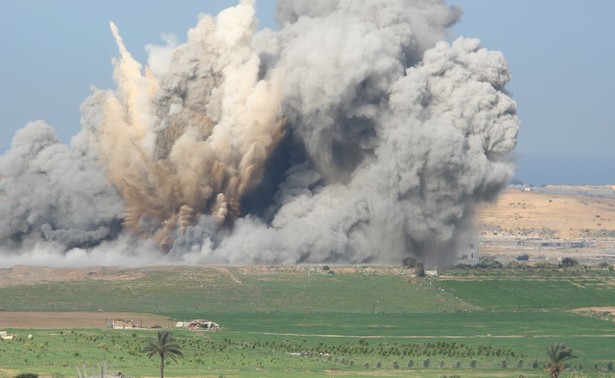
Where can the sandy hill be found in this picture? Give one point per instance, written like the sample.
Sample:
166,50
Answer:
583,214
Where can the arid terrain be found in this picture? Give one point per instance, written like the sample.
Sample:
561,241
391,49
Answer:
550,223
78,319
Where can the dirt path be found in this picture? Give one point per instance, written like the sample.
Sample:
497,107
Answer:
429,336
226,271
81,319
609,309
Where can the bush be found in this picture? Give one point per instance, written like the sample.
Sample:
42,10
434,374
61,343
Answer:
503,364
26,375
410,364
473,364
488,262
520,364
609,366
395,365
535,364
569,262
426,363
409,262
523,258
458,365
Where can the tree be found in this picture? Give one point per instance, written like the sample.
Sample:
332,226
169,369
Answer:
419,270
164,345
409,262
558,355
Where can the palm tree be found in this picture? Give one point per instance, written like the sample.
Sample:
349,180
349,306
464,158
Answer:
558,355
164,345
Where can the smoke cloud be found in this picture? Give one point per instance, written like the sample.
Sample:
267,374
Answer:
353,134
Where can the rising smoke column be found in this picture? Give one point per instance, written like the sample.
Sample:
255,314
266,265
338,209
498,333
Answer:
351,134
195,139
52,192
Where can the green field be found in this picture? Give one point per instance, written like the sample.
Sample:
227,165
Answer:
230,290
516,292
306,321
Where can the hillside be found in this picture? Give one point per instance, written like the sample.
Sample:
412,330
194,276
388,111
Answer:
550,221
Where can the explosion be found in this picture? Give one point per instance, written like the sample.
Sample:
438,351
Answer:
353,134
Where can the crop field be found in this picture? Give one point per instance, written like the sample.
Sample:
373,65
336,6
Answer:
504,294
319,321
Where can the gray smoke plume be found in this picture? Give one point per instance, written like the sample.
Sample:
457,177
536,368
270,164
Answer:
352,134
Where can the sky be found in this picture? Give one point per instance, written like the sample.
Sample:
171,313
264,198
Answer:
561,54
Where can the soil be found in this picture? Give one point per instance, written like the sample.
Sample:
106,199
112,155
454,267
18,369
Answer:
28,275
84,319
522,219
609,309
519,212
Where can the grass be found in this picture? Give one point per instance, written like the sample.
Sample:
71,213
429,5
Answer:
437,325
559,293
249,346
304,321
309,289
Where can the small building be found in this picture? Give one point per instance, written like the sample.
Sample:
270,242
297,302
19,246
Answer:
199,324
123,324
6,336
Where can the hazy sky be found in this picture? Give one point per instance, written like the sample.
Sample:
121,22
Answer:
561,53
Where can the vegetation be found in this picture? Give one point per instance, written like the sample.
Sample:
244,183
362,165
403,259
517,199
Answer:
488,262
466,322
569,262
559,355
163,346
409,262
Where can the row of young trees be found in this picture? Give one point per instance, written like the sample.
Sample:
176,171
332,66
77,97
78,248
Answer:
166,347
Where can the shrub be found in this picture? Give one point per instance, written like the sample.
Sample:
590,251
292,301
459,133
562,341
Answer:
473,364
569,262
378,365
523,258
410,364
458,365
520,364
488,262
609,366
503,364
409,262
395,365
26,375
426,363
535,364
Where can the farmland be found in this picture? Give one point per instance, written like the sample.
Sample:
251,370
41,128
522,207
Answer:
317,321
